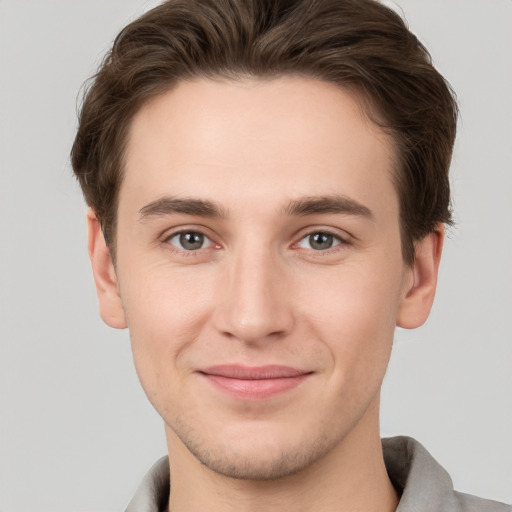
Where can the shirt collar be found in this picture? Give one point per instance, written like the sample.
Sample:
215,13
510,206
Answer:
420,481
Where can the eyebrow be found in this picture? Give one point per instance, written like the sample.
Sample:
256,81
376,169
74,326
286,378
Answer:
327,204
298,207
187,206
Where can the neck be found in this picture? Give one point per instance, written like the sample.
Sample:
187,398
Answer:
350,477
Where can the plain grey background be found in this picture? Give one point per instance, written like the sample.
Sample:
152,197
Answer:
76,430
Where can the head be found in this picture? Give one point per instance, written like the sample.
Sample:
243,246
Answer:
267,183
360,46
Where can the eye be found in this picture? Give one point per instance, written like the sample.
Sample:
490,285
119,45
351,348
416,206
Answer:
190,240
319,241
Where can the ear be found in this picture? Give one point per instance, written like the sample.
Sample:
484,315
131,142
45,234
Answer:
111,307
421,281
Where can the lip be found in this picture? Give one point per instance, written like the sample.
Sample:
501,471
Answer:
254,382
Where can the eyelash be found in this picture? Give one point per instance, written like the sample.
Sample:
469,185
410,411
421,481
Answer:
341,242
184,252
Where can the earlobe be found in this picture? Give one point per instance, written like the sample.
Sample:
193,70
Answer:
421,287
111,307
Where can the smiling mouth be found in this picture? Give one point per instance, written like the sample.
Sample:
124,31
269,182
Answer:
254,382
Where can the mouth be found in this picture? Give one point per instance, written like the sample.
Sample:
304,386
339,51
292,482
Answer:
254,382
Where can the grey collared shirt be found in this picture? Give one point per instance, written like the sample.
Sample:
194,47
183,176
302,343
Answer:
423,484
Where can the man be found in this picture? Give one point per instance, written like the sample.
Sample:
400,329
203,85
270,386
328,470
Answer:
268,188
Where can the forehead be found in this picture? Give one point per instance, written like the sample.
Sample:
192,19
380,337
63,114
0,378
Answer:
243,141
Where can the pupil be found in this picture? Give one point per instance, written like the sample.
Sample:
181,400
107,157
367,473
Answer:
191,240
321,241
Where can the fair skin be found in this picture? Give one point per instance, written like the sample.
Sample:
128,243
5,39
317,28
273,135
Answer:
259,271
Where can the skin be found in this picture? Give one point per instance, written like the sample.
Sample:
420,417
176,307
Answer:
256,290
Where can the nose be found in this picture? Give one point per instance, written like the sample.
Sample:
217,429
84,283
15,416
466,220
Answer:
255,303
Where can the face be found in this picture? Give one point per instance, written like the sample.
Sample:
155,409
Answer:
259,269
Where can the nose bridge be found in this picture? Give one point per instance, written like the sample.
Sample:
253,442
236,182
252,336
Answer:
255,304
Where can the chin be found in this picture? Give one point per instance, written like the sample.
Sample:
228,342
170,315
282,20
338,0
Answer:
257,466
256,455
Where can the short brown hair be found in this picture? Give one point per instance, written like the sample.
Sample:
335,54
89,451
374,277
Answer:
357,44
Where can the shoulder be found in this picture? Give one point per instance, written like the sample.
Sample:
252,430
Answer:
468,503
424,484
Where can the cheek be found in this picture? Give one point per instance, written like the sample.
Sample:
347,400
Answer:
353,298
354,315
165,313
160,300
